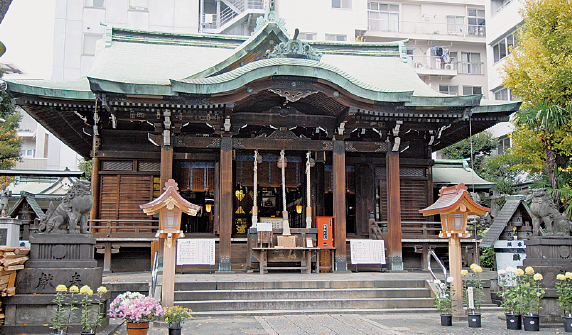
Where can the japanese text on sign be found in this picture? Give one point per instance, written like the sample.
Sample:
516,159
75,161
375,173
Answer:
196,251
367,251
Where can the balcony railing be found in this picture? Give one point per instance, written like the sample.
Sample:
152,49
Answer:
446,64
226,15
426,28
123,228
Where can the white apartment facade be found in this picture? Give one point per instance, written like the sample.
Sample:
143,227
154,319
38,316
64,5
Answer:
446,38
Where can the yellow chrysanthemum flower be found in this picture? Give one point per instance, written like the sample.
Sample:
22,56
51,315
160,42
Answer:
519,272
464,272
472,267
560,276
568,275
84,290
537,276
529,270
74,289
477,269
61,288
102,289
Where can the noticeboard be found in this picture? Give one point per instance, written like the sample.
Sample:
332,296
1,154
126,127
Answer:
197,251
367,251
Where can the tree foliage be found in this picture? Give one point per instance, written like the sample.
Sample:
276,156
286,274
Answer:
482,145
539,71
9,142
86,167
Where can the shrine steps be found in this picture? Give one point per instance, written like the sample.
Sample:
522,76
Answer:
304,297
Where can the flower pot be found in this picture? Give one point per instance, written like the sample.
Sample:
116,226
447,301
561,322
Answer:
175,331
474,320
134,328
567,323
87,333
531,323
446,320
513,321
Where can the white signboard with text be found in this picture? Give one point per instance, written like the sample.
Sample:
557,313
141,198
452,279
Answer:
367,251
196,251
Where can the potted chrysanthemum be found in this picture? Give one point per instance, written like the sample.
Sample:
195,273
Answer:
137,310
176,316
91,319
60,318
564,291
473,294
444,300
510,298
531,291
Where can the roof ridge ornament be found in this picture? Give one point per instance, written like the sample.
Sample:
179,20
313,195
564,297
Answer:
294,48
270,16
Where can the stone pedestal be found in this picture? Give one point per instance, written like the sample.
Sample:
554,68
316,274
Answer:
549,256
55,259
10,232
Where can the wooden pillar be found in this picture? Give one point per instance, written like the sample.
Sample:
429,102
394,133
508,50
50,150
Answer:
394,257
95,188
166,165
318,181
339,192
365,197
225,208
107,257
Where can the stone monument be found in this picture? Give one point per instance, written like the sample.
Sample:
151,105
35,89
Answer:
9,227
549,249
61,253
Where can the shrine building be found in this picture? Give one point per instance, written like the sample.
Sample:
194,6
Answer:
238,122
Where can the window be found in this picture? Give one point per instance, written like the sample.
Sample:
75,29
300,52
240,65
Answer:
503,93
89,41
27,153
470,90
333,37
501,49
451,90
497,5
476,21
308,36
94,3
383,16
471,63
138,4
346,4
455,24
503,144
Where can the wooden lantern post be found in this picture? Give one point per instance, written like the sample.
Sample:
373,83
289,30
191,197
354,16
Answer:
170,206
454,206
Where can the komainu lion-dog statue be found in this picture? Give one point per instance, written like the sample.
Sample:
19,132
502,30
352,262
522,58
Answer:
544,211
74,210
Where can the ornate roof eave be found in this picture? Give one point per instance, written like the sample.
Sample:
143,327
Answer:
102,85
266,68
77,89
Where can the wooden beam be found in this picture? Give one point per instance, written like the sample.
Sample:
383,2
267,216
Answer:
394,257
277,120
339,190
226,204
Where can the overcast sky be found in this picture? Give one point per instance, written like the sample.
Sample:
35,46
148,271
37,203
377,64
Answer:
27,31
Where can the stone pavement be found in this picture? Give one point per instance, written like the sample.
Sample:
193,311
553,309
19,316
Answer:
343,324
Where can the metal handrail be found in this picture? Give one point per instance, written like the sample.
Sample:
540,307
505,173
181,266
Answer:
154,274
434,255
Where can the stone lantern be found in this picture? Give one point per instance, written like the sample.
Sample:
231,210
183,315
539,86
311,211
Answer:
170,206
454,206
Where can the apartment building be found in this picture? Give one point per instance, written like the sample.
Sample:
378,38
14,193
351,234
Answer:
446,39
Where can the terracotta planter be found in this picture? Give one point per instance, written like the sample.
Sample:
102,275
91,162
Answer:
531,323
137,328
474,320
513,321
446,320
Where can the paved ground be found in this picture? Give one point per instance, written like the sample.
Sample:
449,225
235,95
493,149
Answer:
348,324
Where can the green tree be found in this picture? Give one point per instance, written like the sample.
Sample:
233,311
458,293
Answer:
539,71
86,167
9,142
503,170
482,145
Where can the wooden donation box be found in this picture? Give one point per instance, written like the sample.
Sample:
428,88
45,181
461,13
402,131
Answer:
324,224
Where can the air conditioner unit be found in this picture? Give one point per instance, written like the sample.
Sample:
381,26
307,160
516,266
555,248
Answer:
209,18
448,66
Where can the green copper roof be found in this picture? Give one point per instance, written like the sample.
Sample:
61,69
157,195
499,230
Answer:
447,172
67,89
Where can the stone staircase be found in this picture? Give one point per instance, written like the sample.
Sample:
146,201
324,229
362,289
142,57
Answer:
303,297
